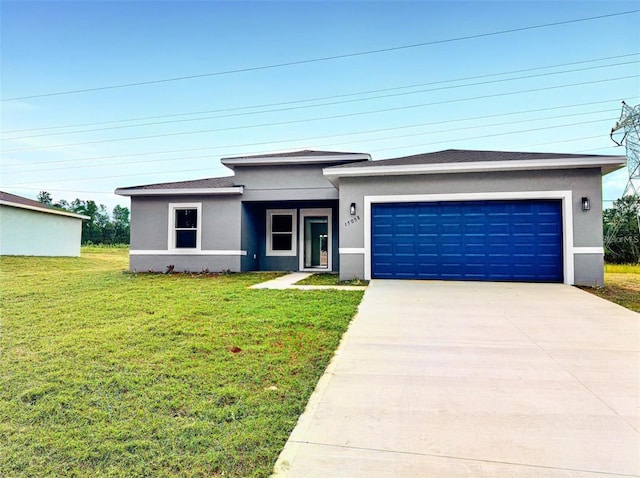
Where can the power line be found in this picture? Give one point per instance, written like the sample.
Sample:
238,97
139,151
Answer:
212,169
594,149
569,140
209,148
182,133
326,58
320,104
494,135
372,151
333,136
268,105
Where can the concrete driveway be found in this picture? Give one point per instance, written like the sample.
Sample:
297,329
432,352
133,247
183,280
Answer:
453,379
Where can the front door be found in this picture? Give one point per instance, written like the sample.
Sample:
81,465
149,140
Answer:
315,247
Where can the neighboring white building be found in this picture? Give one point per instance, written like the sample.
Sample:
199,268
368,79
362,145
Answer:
29,228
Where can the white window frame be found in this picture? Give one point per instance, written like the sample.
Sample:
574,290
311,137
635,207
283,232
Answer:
173,207
294,231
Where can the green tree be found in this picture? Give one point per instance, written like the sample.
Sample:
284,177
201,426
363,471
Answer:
91,228
63,204
120,220
100,228
45,198
622,238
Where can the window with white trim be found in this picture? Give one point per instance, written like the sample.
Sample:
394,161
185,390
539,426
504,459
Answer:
185,226
281,232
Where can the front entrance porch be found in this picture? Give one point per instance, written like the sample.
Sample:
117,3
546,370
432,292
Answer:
290,236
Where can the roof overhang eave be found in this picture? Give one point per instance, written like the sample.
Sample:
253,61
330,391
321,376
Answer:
181,191
44,210
606,164
294,160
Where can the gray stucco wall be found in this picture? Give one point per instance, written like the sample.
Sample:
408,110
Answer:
221,228
284,183
227,224
233,222
31,233
587,226
589,270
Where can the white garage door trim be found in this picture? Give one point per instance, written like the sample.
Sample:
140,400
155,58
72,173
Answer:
564,196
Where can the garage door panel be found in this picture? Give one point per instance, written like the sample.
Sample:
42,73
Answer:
449,250
428,239
497,229
404,250
453,229
427,249
527,250
471,240
475,250
549,228
547,249
476,228
381,250
426,229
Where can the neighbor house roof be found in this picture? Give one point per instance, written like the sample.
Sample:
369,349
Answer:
204,186
306,156
12,200
459,160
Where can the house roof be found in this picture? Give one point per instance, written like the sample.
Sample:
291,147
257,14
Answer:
466,156
13,200
225,182
360,164
226,185
459,160
305,156
204,186
300,153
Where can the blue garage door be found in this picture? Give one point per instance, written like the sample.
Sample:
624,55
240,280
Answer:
468,240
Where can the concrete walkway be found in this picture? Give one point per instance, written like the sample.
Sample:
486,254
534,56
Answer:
288,281
453,379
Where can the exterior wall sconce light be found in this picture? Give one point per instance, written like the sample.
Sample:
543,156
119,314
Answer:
352,209
586,204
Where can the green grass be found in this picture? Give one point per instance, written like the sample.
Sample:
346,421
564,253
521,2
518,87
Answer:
622,268
621,285
329,279
107,374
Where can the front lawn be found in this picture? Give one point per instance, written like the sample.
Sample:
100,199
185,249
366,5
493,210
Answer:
621,285
327,278
106,373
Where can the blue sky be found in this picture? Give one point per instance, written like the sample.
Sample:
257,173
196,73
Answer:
555,88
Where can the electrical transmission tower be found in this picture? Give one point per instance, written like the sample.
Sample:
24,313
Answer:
627,130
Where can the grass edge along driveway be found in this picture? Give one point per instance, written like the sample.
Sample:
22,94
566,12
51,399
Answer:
106,373
621,285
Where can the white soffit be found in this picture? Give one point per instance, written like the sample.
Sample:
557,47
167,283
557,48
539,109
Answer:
606,163
180,191
43,209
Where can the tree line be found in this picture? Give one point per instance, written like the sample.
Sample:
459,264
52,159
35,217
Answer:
621,231
101,227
